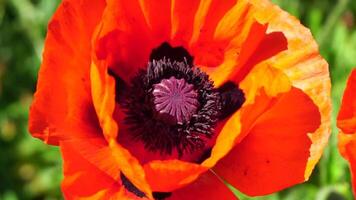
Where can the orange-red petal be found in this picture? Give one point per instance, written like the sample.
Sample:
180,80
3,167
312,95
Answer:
273,81
300,66
240,60
206,49
124,39
275,151
303,65
103,90
269,45
94,150
62,106
157,14
182,15
347,148
79,175
346,120
169,175
208,187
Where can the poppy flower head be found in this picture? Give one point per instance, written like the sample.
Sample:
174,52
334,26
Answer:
164,99
173,105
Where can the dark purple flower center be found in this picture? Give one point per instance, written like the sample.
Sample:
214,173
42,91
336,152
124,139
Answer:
172,106
175,100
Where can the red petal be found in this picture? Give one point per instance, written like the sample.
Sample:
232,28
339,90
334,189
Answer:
94,150
62,107
346,122
183,13
206,49
257,47
169,175
79,175
347,148
303,65
207,187
124,40
103,90
275,151
346,119
158,18
253,52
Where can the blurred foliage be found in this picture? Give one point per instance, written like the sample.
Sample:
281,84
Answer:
28,169
31,170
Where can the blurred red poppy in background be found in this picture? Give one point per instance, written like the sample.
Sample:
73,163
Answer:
346,122
165,99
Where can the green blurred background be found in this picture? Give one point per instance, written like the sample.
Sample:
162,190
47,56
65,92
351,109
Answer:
31,170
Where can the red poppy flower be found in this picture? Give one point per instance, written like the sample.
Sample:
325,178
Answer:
165,99
346,121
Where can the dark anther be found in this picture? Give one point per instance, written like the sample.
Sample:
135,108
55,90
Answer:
161,195
130,187
193,120
206,154
178,54
232,98
133,189
172,106
121,87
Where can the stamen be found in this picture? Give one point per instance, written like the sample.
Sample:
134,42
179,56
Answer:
193,107
178,54
175,100
232,98
131,187
172,106
121,87
161,195
134,190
